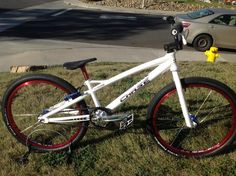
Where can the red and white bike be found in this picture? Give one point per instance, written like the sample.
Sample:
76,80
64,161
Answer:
191,117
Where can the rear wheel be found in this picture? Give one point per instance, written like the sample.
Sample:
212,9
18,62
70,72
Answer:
211,105
202,42
33,95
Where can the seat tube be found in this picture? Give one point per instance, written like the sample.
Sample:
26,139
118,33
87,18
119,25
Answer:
89,86
174,70
85,73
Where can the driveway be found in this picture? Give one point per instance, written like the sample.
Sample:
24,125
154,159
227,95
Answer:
55,32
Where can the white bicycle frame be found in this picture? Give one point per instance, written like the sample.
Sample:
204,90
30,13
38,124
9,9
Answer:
162,65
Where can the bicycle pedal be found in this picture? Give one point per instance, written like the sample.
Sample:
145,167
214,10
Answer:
126,121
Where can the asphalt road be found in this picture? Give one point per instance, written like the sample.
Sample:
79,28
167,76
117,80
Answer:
96,27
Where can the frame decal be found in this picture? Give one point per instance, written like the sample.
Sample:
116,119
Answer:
140,85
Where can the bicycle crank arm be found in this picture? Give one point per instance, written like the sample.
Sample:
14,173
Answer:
114,118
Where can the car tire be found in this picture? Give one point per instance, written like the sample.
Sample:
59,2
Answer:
202,42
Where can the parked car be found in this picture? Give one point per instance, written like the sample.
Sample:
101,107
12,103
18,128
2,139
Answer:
209,27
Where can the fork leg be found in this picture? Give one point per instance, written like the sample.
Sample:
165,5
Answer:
182,101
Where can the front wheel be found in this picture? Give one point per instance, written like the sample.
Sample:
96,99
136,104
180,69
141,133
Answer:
33,95
211,104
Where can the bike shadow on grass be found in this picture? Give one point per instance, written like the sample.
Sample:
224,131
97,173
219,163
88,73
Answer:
112,130
140,126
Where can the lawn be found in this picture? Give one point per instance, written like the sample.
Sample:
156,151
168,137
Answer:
131,152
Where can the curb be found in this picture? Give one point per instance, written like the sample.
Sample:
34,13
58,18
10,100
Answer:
119,9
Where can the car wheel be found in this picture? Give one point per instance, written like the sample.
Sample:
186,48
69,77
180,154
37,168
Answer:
202,42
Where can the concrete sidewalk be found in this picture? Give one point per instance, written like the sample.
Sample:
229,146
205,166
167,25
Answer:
52,52
80,4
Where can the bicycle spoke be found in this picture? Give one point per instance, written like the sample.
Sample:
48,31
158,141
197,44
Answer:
214,121
203,103
25,115
219,107
207,115
32,126
22,117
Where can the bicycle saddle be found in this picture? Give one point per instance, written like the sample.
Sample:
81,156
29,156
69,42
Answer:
77,64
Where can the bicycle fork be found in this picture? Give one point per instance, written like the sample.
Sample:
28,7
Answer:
182,101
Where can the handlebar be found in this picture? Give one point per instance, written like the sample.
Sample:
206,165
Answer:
176,31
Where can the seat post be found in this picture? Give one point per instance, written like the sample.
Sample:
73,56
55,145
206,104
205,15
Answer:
85,73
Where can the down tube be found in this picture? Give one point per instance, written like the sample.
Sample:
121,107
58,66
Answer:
127,94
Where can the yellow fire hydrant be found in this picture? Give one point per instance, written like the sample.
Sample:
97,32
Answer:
212,54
